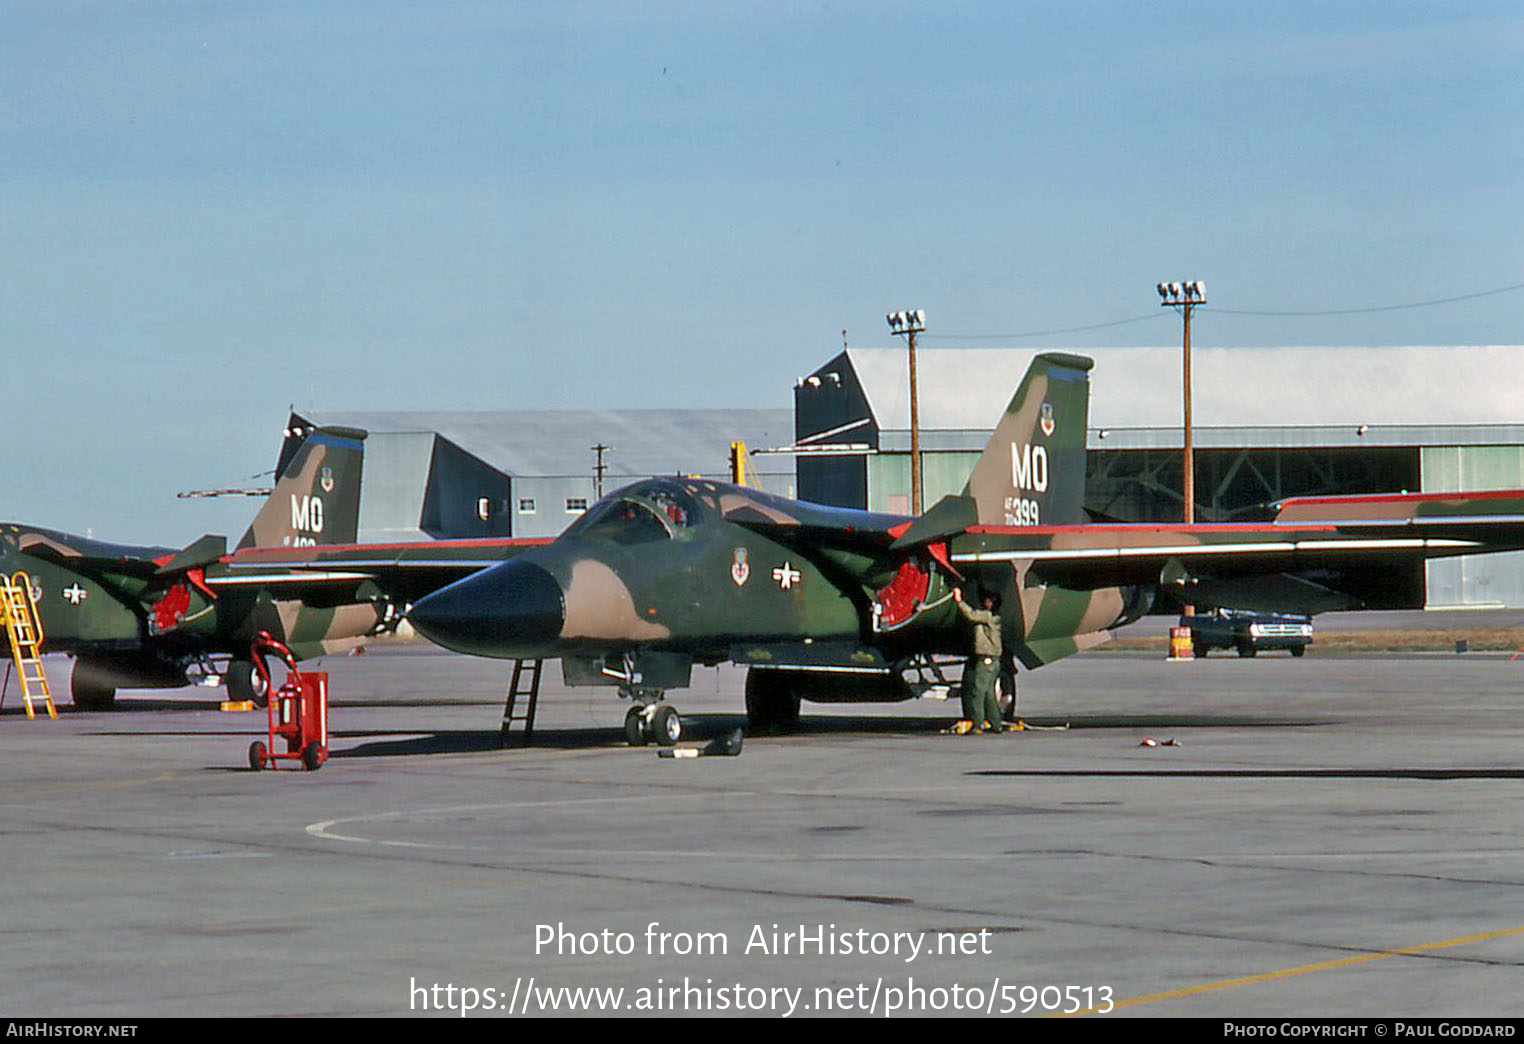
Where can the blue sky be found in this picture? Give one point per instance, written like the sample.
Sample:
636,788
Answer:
212,211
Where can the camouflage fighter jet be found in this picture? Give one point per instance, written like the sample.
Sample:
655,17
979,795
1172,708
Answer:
155,617
839,605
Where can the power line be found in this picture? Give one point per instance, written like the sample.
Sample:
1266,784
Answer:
1232,311
1043,333
1380,308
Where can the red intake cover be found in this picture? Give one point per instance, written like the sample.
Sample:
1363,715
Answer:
898,601
168,611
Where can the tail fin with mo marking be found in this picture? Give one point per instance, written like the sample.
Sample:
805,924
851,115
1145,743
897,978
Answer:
1032,473
316,499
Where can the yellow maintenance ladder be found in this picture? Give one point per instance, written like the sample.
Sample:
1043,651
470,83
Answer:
24,627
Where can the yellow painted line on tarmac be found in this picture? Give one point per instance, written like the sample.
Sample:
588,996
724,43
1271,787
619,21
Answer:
1305,969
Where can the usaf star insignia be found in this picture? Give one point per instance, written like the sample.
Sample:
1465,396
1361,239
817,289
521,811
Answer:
74,593
786,576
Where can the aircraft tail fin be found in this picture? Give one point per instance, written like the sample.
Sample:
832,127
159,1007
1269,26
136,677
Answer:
316,499
1032,473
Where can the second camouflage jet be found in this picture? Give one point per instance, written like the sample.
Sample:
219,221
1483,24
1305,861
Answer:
161,617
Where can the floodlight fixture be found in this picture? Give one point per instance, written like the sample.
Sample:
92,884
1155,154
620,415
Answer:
1190,292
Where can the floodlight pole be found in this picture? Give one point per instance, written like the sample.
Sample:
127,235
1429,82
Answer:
1190,446
911,323
915,435
1184,297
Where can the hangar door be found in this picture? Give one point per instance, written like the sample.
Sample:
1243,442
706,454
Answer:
1477,580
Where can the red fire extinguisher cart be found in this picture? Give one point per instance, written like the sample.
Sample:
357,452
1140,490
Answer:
298,711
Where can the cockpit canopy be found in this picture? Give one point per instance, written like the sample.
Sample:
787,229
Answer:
639,514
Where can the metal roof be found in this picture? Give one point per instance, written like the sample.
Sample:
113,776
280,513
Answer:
545,443
1233,388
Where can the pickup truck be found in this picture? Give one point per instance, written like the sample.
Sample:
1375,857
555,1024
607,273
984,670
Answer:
1248,632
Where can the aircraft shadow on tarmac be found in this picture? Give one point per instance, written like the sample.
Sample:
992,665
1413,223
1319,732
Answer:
472,741
702,728
696,729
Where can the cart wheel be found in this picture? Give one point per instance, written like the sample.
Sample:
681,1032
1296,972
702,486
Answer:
635,727
257,755
313,756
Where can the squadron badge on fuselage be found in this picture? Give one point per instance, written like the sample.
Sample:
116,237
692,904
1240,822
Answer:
1046,423
740,570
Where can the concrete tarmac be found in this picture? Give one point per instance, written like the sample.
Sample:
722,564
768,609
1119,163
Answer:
1333,836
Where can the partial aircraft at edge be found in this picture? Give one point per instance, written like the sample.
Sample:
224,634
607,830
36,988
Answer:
839,605
155,617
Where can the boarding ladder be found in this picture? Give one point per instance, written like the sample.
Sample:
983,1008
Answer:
525,686
24,627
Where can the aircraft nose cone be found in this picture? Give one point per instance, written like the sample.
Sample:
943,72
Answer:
513,610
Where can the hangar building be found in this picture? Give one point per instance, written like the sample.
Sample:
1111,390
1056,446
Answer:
1268,423
530,473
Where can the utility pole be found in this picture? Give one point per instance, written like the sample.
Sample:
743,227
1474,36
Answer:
599,469
1184,297
911,323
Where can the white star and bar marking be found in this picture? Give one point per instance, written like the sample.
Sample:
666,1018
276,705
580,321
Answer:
786,576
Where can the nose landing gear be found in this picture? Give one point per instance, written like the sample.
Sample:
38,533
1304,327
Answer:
653,722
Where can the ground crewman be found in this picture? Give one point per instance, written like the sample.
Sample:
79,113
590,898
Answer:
981,709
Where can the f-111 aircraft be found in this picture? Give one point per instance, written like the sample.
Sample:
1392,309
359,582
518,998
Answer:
154,617
840,605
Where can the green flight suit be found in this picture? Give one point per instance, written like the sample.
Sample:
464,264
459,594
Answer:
978,690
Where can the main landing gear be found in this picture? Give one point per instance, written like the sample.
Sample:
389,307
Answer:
652,722
243,681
